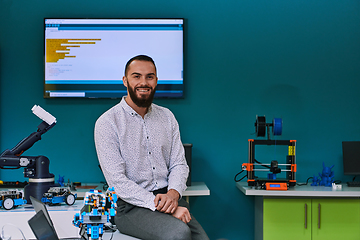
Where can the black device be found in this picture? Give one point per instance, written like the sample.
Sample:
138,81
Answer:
85,58
40,206
35,168
351,157
41,223
42,228
188,156
252,165
13,184
351,160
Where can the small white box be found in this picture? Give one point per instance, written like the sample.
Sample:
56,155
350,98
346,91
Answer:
336,186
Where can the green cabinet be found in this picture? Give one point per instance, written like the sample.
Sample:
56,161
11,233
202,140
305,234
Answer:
286,218
311,218
335,219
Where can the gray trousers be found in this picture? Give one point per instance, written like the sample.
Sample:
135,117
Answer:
154,225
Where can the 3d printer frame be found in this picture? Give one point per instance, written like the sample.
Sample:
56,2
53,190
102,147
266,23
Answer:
272,184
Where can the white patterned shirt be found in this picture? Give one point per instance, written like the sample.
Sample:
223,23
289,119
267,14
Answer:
139,155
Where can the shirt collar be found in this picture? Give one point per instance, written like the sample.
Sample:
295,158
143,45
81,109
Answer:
129,109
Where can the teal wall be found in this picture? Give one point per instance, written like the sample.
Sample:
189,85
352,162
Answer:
294,59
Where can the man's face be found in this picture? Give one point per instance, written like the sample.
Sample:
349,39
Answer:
141,81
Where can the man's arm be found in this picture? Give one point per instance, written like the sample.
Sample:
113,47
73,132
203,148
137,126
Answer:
113,167
178,168
168,203
178,173
183,214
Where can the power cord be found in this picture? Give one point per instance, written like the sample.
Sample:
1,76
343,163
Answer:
238,175
112,234
307,181
2,236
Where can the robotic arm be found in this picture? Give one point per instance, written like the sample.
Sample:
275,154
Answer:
36,168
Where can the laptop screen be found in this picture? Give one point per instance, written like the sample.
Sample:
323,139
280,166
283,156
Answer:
41,227
40,206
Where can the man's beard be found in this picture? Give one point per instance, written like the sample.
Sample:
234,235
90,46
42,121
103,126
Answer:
144,102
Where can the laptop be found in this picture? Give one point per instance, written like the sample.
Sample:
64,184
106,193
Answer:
40,206
41,224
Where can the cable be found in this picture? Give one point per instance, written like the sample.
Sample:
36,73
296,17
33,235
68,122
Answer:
2,231
112,234
307,181
246,175
261,164
238,175
337,181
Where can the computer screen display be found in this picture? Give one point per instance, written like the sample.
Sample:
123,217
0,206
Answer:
85,58
351,157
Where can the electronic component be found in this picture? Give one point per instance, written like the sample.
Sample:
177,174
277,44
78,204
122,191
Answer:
353,184
270,183
276,186
35,168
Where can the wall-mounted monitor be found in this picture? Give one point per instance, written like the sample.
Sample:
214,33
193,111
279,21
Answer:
85,58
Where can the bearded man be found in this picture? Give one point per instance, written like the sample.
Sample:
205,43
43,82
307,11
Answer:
141,155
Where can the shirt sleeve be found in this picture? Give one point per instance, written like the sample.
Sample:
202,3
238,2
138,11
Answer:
178,170
113,166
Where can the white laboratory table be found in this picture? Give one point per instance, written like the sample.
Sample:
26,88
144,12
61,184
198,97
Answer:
301,191
296,192
196,189
12,221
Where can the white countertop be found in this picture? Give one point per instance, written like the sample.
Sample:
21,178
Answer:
196,189
301,191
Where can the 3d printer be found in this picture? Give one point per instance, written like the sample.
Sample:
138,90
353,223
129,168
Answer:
271,182
36,168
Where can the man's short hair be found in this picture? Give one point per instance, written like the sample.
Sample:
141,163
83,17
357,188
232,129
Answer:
139,58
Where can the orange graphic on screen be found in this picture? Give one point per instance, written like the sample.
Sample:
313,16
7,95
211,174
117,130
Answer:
60,48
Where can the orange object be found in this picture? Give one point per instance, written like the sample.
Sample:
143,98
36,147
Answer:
276,186
249,166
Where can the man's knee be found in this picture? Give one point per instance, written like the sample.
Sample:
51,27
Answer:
180,232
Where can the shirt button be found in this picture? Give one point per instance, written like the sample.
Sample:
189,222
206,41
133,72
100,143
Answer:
154,168
149,152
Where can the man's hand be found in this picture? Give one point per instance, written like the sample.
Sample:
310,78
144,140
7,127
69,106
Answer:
167,203
183,214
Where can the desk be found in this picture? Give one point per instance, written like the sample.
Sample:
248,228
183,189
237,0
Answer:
196,189
306,212
63,215
301,191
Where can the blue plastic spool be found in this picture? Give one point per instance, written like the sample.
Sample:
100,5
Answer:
277,126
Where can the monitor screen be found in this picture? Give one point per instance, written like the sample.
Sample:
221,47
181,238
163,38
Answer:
351,157
85,58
